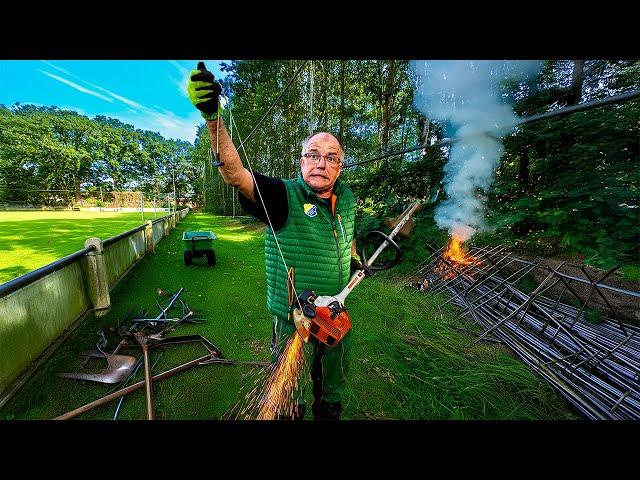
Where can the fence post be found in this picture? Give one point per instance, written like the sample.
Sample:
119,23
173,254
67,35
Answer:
98,278
148,234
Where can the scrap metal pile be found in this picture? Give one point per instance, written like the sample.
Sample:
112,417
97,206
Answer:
146,333
594,365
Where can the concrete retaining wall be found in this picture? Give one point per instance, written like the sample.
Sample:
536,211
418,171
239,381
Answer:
120,256
33,317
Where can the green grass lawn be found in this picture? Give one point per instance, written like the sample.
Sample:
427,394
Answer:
30,240
408,361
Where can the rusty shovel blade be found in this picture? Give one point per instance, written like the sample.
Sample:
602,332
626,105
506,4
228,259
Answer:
119,368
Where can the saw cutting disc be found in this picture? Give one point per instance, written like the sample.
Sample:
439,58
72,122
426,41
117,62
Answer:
302,323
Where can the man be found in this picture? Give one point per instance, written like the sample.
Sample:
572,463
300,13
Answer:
310,228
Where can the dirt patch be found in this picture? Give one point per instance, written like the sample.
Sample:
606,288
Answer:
626,305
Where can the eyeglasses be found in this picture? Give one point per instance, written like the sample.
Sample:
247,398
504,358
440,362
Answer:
315,158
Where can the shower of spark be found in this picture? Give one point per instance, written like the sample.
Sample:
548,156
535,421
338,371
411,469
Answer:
275,395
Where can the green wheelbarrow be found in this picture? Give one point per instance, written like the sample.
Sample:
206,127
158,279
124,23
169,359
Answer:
199,244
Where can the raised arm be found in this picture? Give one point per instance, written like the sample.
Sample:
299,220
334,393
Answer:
204,93
232,170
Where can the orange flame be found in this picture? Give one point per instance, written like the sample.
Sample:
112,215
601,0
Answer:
455,253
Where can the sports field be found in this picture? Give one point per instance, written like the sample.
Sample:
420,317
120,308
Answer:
29,240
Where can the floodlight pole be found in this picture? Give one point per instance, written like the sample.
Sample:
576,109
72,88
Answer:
174,189
233,195
204,186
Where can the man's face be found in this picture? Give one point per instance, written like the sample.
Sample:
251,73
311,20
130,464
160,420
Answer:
321,175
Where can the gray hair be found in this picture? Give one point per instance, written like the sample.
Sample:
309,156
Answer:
305,142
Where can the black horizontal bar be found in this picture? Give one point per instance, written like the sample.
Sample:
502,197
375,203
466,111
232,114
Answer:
161,219
109,241
27,278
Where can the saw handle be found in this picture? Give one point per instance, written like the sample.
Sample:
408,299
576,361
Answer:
384,266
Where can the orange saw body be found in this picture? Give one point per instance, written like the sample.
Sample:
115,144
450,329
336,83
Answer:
323,317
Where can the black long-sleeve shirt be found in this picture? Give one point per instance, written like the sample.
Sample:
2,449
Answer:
274,196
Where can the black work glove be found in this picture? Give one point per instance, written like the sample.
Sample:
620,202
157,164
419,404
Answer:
204,91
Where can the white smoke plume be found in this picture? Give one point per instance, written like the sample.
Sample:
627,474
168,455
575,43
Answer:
467,97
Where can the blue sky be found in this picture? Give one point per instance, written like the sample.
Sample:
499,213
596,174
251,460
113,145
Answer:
148,94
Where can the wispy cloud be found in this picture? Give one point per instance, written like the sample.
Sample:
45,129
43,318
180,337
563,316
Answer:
182,69
168,125
124,100
181,82
156,119
75,109
77,87
60,69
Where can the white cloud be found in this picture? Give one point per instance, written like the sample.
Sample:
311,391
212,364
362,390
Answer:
124,100
181,83
168,125
58,68
183,70
77,87
156,119
75,109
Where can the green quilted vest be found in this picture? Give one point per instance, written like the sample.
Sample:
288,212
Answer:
313,241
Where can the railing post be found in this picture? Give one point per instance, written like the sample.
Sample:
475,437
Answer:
148,234
98,278
165,226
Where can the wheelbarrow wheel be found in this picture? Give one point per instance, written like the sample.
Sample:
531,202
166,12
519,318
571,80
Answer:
188,257
211,257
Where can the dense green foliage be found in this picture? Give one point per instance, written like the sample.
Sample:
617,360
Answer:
49,156
567,185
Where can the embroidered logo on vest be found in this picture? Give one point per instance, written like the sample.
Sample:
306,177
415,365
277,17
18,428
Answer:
310,209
